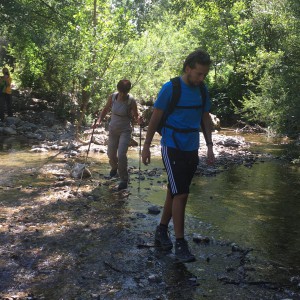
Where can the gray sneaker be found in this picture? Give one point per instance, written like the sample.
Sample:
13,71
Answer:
182,252
162,239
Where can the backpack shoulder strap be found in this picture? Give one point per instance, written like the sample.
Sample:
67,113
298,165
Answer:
176,92
203,95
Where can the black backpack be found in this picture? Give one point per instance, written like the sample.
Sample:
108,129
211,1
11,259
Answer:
173,104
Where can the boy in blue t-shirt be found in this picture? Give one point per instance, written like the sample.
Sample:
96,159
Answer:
179,147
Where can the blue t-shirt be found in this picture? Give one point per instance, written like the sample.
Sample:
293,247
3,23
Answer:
182,118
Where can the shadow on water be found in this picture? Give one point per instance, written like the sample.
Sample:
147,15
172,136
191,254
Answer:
61,243
257,207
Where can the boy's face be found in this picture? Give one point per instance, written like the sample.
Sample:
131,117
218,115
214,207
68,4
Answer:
196,75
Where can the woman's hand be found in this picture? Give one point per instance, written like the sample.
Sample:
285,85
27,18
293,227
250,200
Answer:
141,121
96,123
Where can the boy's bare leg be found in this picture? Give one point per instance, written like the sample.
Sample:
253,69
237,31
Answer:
175,207
167,212
178,213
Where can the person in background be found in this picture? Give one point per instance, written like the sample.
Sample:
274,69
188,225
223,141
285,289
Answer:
5,94
179,146
123,109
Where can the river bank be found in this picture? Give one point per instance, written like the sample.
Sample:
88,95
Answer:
66,238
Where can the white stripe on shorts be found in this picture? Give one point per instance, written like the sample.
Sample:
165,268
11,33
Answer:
169,170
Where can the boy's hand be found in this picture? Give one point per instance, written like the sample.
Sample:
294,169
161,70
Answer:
146,155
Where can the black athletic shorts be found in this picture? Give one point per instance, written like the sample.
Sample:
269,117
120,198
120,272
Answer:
181,167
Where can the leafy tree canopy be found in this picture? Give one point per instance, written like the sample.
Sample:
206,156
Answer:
79,49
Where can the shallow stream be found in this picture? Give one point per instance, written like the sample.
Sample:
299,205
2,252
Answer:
256,207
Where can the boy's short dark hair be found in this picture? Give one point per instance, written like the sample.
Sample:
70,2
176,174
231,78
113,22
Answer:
198,56
124,86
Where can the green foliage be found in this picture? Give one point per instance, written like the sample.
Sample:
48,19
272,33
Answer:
78,50
272,100
274,71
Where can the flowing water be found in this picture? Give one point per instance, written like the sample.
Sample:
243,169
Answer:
257,207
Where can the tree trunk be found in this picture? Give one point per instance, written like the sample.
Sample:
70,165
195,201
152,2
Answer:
86,92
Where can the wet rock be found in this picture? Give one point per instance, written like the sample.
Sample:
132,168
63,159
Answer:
295,280
197,238
252,129
193,281
35,136
49,135
27,127
101,139
153,278
55,147
9,131
73,153
141,216
141,177
154,210
230,142
100,149
39,150
80,171
226,279
236,248
207,171
12,121
63,183
154,172
248,164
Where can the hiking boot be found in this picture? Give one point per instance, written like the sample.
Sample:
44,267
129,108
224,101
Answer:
162,238
113,172
182,252
123,185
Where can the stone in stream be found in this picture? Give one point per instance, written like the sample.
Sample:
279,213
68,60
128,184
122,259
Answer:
154,210
80,171
9,131
197,238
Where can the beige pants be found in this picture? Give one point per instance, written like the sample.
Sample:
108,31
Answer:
118,142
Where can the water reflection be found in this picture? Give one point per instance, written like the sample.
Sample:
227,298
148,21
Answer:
257,207
181,283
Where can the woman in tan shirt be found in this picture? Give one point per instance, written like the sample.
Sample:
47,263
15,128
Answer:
123,109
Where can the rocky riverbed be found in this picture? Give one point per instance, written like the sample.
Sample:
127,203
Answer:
64,237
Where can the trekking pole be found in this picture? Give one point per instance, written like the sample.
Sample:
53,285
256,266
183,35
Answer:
140,157
87,154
